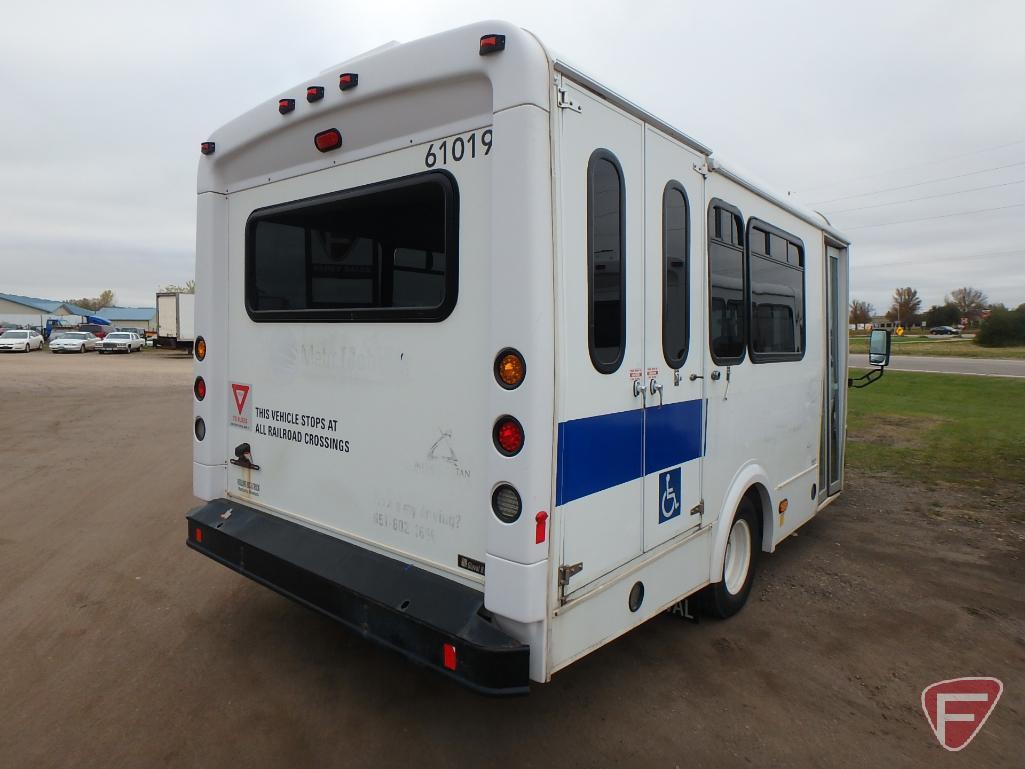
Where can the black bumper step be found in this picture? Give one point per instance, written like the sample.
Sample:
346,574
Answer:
393,603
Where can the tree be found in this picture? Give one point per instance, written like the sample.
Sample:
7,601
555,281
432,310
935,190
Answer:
969,301
861,312
943,315
188,288
105,299
906,306
1002,328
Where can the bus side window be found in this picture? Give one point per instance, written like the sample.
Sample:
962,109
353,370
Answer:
727,289
675,271
776,274
606,289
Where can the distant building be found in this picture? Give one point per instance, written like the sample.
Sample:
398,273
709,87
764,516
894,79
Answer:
32,311
131,317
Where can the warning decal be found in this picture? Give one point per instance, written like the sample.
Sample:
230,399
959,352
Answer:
240,410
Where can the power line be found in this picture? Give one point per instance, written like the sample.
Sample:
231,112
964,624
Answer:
941,216
930,259
918,184
914,165
926,197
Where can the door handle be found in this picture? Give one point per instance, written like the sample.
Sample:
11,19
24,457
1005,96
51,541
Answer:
638,388
716,375
655,387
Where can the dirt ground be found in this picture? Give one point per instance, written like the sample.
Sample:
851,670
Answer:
121,648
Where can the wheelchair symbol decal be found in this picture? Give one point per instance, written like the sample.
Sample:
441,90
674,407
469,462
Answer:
670,494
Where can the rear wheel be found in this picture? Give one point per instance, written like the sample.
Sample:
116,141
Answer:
728,596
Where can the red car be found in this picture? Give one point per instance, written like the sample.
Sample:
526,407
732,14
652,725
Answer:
97,329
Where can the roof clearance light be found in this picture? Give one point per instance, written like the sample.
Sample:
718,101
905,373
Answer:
199,388
508,435
207,148
328,140
199,535
286,105
314,93
200,348
347,81
510,368
492,44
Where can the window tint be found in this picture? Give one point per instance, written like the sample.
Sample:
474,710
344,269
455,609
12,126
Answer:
777,296
675,284
605,285
727,289
383,252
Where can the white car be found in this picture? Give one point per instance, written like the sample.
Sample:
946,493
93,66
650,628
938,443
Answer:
121,341
73,341
21,340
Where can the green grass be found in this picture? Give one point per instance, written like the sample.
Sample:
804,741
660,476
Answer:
939,427
958,348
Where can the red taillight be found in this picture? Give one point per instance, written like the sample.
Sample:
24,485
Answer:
207,148
328,140
314,93
347,80
450,656
508,435
286,105
199,388
492,44
199,535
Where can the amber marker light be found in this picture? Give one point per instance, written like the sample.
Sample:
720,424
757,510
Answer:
510,368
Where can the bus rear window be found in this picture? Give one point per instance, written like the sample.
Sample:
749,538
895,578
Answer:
385,252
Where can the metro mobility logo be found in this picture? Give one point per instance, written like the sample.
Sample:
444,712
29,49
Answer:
956,709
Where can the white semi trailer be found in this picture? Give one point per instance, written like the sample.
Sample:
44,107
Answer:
176,320
495,365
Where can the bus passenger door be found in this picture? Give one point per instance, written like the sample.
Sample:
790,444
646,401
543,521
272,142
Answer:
674,331
600,364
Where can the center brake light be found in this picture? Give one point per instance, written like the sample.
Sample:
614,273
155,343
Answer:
328,140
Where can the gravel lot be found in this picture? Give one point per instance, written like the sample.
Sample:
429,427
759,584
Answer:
121,648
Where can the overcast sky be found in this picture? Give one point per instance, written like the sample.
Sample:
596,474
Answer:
105,104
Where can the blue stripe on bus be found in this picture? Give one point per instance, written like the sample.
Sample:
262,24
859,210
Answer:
599,452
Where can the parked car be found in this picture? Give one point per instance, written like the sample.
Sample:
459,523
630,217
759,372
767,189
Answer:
121,341
21,340
945,331
72,341
98,330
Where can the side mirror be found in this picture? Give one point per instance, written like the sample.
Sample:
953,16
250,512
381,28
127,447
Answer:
879,348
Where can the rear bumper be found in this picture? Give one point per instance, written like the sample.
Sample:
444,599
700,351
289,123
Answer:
395,604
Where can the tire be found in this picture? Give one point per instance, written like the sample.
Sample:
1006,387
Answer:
726,597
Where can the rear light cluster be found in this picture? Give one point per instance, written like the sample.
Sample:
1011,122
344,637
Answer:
510,370
199,388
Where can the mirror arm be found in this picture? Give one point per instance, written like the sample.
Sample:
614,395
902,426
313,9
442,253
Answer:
866,379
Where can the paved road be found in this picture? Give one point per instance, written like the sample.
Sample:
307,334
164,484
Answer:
938,365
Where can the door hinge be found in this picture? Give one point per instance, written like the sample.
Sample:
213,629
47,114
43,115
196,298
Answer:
565,102
702,169
698,509
565,572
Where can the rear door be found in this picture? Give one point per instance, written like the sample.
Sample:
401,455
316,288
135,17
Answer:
355,349
674,317
599,482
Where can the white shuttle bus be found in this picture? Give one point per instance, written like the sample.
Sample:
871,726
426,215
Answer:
493,365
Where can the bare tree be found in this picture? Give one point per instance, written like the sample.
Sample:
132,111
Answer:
188,288
105,299
969,301
861,312
906,305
